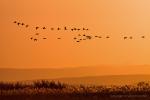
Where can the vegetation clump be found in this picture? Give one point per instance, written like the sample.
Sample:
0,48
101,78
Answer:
51,89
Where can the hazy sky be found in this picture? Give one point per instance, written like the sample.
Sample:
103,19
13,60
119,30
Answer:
116,18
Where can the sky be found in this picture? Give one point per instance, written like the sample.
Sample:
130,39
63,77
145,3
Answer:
116,18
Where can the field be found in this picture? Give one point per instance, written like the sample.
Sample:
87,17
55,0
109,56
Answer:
51,90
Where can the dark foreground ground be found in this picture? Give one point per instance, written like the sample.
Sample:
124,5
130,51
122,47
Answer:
75,97
50,90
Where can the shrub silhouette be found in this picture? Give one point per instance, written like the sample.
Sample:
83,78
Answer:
48,84
10,86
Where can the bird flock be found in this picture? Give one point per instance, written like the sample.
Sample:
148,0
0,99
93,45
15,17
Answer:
80,37
35,39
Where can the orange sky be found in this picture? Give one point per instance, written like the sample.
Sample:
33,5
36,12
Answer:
103,17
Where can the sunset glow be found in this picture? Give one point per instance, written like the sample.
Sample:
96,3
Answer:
116,18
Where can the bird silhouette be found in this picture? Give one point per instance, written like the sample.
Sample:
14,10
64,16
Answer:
96,36
107,37
74,38
44,28
84,35
99,37
52,28
36,33
18,24
15,21
65,28
79,34
131,37
78,29
77,41
72,29
75,29
27,26
44,38
22,24
125,37
31,38
142,36
36,27
35,40
59,38
58,28
89,37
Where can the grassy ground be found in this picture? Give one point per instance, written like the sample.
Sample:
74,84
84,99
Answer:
50,90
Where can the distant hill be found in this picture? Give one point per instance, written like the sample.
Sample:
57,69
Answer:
86,75
106,80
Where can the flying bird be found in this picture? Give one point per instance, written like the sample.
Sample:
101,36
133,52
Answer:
131,37
44,28
65,28
79,34
35,40
22,24
59,38
143,37
77,41
52,28
15,21
107,37
44,38
31,38
74,38
99,37
27,26
36,33
18,24
58,28
75,28
36,27
89,37
125,37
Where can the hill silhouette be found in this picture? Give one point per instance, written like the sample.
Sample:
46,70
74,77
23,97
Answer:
85,75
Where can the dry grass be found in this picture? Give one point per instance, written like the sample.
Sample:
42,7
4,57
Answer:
43,90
